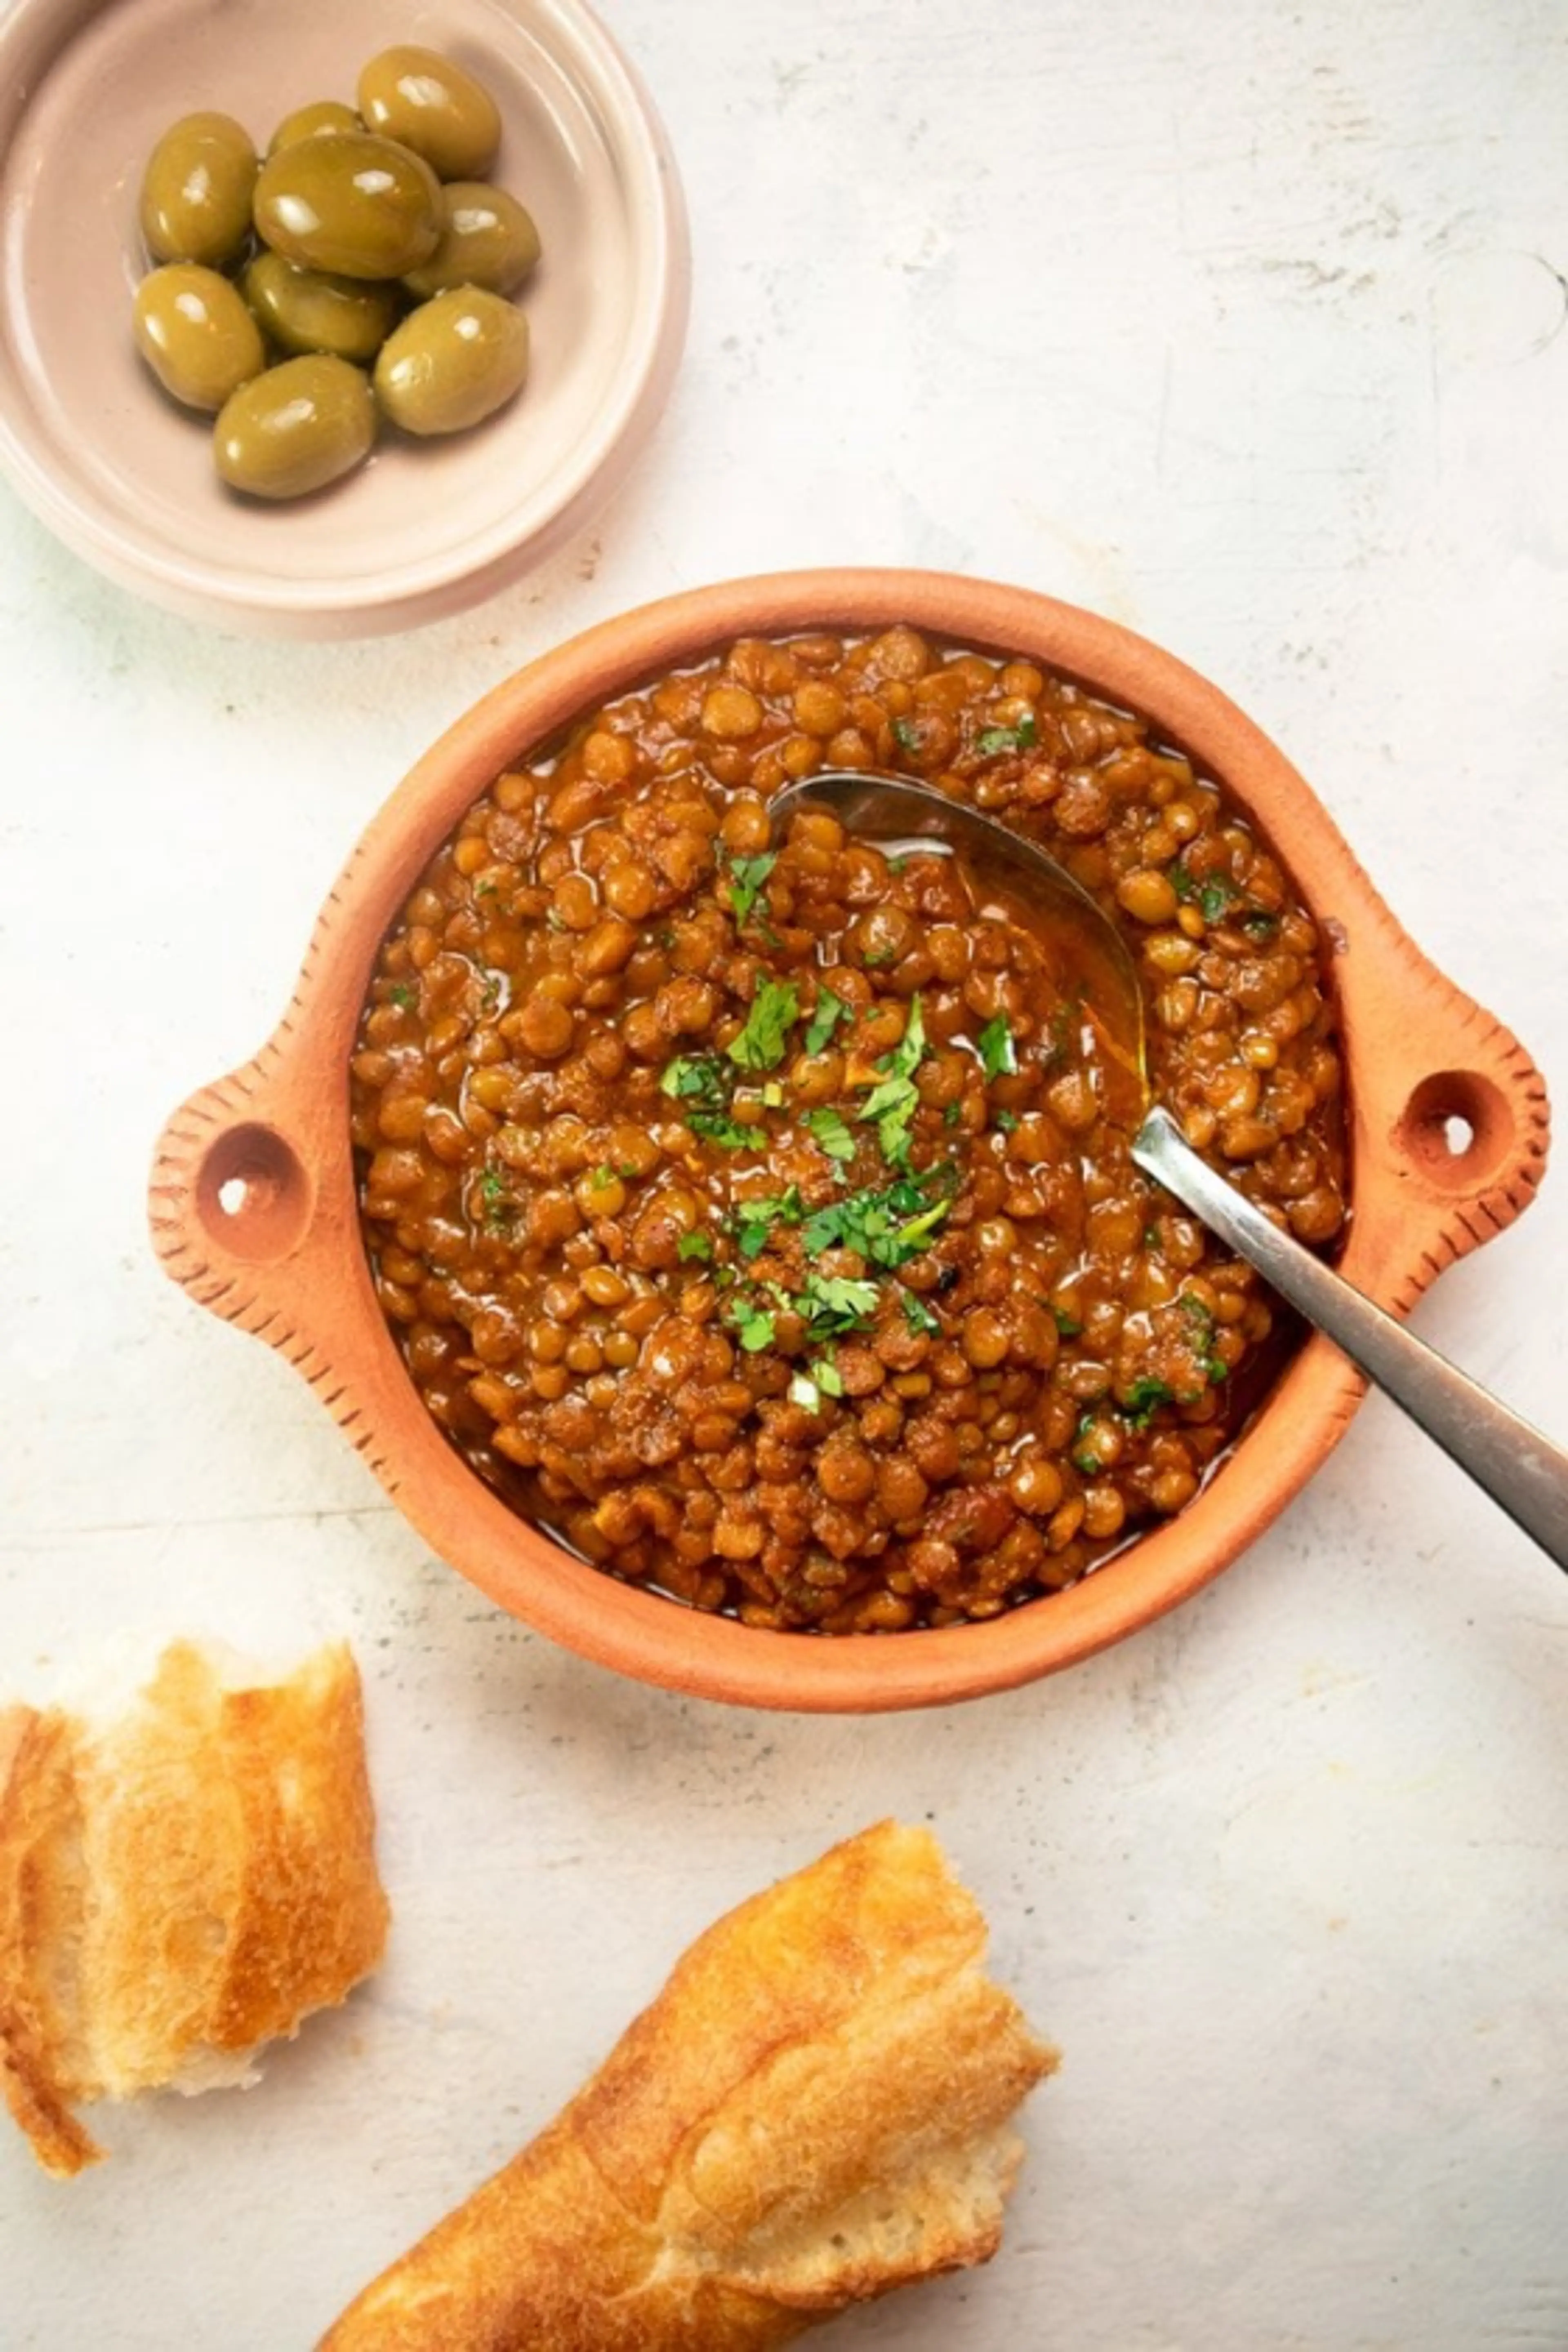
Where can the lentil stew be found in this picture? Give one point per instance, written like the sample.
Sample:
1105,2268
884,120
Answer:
759,1217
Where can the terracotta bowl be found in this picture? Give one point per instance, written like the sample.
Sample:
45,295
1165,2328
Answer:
253,1205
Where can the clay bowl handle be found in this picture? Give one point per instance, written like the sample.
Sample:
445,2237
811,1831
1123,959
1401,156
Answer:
250,1201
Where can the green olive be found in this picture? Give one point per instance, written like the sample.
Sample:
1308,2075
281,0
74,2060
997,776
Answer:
453,361
488,238
196,191
425,101
196,334
344,201
310,122
295,429
311,311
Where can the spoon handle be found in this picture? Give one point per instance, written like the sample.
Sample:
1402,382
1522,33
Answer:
1515,1465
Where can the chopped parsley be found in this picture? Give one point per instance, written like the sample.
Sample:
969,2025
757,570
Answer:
1259,924
497,1205
826,1014
746,877
906,735
403,996
1214,895
1068,1325
690,1246
701,1085
917,1314
887,1228
1143,1400
1006,1120
821,1378
761,1043
1202,1337
835,1303
999,1055
751,1322
1005,738
831,1133
753,1222
894,1101
952,1114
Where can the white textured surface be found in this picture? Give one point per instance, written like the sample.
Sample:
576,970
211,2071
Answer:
1245,325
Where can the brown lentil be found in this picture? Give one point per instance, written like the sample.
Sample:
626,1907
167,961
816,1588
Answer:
764,1223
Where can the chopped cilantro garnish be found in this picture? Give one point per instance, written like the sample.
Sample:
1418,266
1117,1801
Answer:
826,1014
888,1227
893,1101
717,1127
998,1056
747,875
692,1077
403,995
829,1379
1259,924
690,1246
906,735
952,1114
761,1043
753,1221
1143,1399
917,1314
831,1134
1213,894
497,1205
752,1323
1083,1459
835,1302
1005,738
1068,1325
1006,1120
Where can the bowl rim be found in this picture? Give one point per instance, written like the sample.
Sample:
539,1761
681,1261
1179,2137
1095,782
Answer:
381,599
1406,1030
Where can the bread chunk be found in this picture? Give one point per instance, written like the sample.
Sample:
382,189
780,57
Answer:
178,1886
813,2111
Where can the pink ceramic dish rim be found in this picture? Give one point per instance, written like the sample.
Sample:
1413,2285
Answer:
289,1265
381,599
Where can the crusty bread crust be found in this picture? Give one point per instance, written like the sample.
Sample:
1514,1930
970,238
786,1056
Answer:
812,2111
179,1886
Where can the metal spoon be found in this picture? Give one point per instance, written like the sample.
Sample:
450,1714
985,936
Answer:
1519,1468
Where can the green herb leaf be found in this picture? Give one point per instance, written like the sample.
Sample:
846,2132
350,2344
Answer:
752,1323
690,1246
761,1043
803,1392
717,1127
833,1303
1006,1120
746,877
906,735
826,1014
1215,894
887,1228
917,1314
753,1222
403,995
1005,738
998,1056
1143,1400
829,1379
700,1077
831,1134
1259,924
1068,1325
952,1114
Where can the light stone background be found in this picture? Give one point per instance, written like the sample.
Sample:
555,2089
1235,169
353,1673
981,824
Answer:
1244,324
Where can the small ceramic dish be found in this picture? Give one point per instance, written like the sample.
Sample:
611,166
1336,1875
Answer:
126,479
253,1201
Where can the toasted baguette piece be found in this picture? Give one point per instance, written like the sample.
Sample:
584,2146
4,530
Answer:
813,2111
178,1886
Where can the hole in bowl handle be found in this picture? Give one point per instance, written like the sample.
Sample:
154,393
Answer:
232,1202
1466,1142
